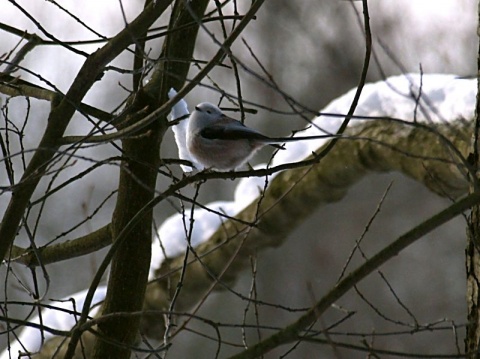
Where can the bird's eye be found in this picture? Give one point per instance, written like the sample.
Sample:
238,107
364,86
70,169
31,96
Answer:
209,112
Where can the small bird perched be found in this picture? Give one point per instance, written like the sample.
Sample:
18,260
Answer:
219,142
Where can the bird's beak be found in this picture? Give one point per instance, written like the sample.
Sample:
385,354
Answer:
197,109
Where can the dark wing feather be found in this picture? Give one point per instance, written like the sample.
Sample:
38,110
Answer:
235,131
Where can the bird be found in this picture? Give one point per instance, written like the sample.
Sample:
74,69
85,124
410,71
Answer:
222,143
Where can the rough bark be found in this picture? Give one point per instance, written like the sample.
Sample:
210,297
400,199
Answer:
472,252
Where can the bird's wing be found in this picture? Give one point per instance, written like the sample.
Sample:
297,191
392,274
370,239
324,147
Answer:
232,130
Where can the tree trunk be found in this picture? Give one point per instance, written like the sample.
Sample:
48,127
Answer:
472,339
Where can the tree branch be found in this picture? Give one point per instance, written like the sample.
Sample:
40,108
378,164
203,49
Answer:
89,243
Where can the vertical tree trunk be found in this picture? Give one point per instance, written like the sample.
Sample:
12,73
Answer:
138,173
473,273
130,264
472,339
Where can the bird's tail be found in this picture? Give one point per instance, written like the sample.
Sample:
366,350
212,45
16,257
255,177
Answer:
273,140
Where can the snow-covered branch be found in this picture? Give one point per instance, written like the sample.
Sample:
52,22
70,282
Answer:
416,125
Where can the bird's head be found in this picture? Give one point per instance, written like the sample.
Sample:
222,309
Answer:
207,114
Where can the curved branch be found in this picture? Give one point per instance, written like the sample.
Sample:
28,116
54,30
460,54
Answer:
293,195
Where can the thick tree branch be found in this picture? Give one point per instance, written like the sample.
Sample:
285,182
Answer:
138,174
53,253
295,194
372,146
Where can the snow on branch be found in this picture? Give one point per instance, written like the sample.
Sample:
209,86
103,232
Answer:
60,315
412,98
